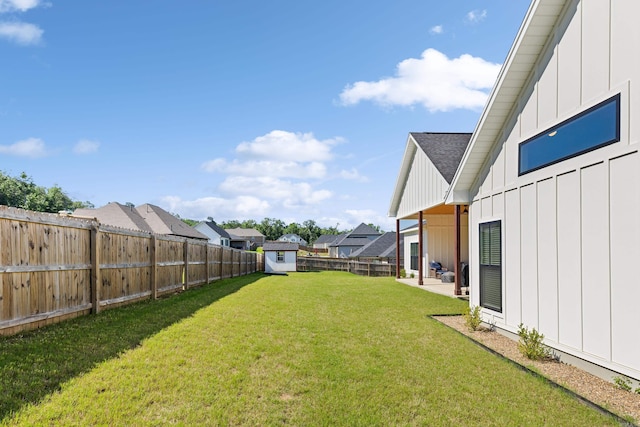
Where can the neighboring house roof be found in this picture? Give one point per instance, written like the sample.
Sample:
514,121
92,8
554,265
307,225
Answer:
358,237
116,215
384,246
537,27
244,233
327,238
363,229
215,227
162,222
437,155
280,246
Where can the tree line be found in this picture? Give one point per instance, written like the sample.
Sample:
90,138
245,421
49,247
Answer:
22,192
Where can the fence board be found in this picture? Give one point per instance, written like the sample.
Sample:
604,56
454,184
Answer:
340,264
53,268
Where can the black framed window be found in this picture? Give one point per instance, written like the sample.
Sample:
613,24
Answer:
414,256
491,265
280,256
592,129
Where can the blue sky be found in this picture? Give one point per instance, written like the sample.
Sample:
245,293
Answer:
241,109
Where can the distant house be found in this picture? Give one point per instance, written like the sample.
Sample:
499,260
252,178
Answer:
162,222
352,241
382,249
323,241
216,234
245,238
116,215
280,257
147,217
292,238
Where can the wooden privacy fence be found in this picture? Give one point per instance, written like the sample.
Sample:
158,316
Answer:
53,268
340,264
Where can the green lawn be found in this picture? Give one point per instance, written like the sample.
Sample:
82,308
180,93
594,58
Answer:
304,349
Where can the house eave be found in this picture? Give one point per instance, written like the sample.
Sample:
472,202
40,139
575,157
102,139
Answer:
535,31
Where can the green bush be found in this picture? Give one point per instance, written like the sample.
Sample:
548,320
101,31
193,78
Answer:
472,317
623,383
530,344
403,273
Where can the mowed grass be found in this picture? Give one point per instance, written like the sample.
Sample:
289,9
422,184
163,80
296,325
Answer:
304,349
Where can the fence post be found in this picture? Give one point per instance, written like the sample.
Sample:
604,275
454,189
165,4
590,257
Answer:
154,267
206,262
96,276
185,271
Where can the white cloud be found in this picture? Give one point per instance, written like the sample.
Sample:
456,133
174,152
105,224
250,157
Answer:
434,81
85,146
240,207
288,169
438,29
369,216
18,5
31,147
476,16
287,193
353,175
288,146
21,32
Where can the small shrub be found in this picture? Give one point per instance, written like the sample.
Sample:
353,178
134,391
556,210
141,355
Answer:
530,344
623,383
472,317
403,273
412,275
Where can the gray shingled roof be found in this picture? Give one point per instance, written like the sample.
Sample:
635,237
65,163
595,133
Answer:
243,233
280,246
383,246
445,150
328,238
162,222
364,230
116,215
215,227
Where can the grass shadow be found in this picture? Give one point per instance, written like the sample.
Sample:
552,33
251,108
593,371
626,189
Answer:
36,363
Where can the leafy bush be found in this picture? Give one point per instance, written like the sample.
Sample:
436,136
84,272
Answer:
530,344
623,383
403,273
472,317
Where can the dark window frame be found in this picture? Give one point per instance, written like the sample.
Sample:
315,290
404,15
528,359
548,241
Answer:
280,256
414,258
490,265
541,137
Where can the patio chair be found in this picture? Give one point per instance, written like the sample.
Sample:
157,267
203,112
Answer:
436,269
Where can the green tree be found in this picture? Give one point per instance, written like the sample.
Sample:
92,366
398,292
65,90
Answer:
22,192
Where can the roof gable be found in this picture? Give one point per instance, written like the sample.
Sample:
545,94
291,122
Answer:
435,156
162,222
117,215
383,246
215,227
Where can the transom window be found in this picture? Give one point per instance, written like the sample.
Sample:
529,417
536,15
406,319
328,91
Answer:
594,128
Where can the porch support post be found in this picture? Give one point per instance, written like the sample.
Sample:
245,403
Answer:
456,257
420,249
397,248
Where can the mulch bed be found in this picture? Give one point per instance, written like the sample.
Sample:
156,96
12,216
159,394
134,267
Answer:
588,386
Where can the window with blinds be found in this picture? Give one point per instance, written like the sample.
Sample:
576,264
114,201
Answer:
414,256
491,266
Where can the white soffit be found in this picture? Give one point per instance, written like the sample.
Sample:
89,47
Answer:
536,28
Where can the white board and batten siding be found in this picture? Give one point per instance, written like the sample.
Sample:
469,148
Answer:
425,186
571,230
